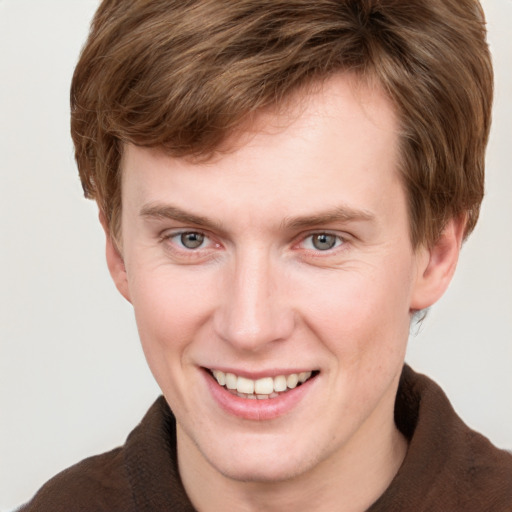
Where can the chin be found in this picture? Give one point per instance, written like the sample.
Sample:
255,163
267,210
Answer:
260,471
263,465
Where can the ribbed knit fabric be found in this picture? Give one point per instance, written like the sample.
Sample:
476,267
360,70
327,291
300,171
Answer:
448,467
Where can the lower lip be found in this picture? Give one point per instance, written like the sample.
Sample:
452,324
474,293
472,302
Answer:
257,410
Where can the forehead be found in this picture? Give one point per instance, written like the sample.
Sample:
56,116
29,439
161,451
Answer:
344,96
341,132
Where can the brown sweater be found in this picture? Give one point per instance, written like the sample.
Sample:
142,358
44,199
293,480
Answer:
448,467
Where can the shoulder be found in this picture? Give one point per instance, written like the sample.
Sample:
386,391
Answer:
486,473
448,465
97,483
141,475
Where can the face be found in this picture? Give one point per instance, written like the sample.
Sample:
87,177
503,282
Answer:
285,259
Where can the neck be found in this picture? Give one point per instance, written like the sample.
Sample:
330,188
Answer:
350,482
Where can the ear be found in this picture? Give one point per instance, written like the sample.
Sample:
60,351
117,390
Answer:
436,265
115,262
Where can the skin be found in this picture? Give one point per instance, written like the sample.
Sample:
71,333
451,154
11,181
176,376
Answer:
257,296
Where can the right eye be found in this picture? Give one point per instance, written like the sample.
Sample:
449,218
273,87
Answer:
190,239
189,244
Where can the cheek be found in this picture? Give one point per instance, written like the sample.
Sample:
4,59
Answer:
170,309
361,314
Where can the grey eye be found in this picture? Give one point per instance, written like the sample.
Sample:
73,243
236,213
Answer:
324,241
192,239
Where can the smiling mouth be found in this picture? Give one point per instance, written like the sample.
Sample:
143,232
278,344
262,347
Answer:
261,389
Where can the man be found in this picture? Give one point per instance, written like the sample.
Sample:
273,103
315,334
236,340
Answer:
284,188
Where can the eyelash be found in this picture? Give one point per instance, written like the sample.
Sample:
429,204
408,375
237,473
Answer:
178,247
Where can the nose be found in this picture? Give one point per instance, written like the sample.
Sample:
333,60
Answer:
256,309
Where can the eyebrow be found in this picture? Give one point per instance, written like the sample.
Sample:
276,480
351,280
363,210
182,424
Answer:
164,211
339,214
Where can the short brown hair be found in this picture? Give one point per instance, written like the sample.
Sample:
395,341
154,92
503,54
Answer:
181,75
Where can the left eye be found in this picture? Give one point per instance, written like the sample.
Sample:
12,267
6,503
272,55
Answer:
322,241
190,239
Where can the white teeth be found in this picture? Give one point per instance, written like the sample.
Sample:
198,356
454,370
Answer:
230,380
304,376
261,389
264,386
244,385
292,380
220,376
280,383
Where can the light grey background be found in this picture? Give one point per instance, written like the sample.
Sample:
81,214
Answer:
73,380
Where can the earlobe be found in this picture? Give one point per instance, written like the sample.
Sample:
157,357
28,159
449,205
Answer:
436,265
115,262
